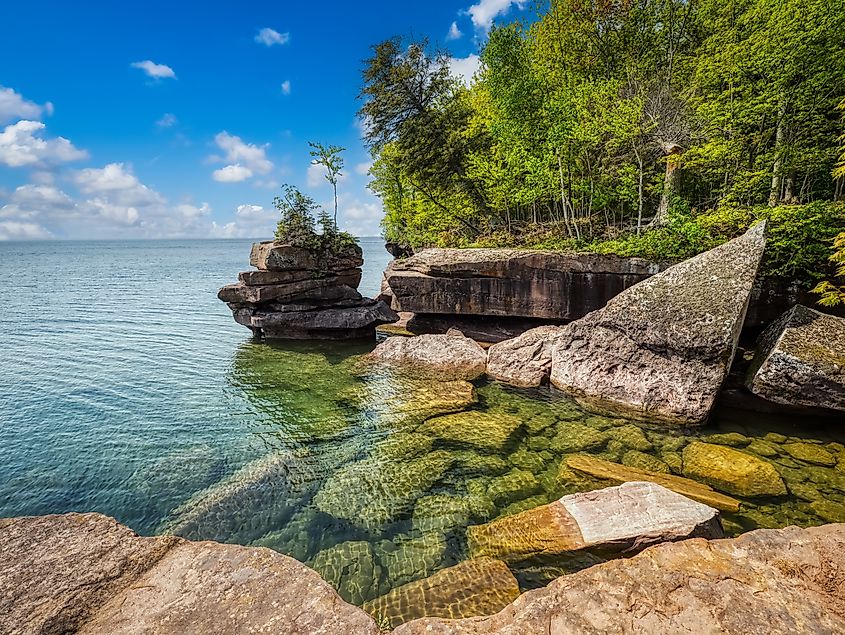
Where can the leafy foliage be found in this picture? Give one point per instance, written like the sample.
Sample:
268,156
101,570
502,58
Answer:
297,226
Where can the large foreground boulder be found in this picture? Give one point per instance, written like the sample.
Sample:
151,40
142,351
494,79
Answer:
661,350
800,360
85,573
443,357
776,582
624,518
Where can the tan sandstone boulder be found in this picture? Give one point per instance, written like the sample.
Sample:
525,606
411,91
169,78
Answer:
450,356
732,471
526,360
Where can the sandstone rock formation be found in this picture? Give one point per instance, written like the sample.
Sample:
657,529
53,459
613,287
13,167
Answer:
777,582
800,360
86,573
624,518
661,349
443,357
732,471
524,361
300,293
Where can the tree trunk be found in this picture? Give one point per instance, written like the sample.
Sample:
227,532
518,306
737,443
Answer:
670,183
774,191
563,200
639,192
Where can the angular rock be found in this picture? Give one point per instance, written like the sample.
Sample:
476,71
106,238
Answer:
441,356
769,581
800,360
473,587
308,289
511,282
351,569
524,361
811,453
618,519
732,471
577,437
263,277
270,255
324,323
514,485
406,558
660,350
85,573
605,470
486,431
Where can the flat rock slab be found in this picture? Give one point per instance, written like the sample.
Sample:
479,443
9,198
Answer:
474,587
526,360
270,255
606,470
617,519
661,349
781,581
86,573
309,288
488,432
731,471
443,357
800,360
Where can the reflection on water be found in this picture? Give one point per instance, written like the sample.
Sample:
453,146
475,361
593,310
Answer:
372,478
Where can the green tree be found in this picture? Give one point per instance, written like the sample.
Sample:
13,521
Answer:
296,227
328,157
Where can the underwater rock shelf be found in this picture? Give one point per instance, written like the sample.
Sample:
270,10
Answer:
86,573
300,293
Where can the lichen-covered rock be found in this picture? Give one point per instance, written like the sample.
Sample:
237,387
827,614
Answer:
800,360
486,431
731,471
810,452
473,587
624,518
526,360
85,573
350,567
608,471
776,582
450,356
660,350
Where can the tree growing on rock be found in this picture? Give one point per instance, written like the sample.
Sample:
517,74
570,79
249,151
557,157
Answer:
329,158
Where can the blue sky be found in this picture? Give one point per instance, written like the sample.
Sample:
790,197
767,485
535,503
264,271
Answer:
167,120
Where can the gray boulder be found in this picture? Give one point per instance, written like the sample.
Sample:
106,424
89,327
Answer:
661,349
270,255
526,360
450,356
800,360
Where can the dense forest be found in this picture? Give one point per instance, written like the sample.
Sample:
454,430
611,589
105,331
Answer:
647,127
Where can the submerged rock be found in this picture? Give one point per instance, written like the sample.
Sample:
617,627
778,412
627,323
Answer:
800,360
618,519
406,558
451,356
474,587
660,350
732,471
771,581
524,361
810,452
351,569
486,431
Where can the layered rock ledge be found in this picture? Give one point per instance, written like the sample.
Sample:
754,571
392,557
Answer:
300,293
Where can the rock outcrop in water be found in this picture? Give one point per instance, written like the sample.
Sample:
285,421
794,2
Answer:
661,349
443,357
800,360
300,293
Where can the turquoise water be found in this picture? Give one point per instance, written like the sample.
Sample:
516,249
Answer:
126,388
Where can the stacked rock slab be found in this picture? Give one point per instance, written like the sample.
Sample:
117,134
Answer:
618,519
800,360
300,293
661,349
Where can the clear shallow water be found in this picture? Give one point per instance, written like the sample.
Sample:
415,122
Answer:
126,388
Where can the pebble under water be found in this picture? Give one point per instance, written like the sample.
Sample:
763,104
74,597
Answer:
127,389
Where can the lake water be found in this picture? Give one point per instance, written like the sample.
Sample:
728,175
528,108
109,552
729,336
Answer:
126,388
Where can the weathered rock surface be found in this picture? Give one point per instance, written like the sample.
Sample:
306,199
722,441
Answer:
732,471
473,587
512,282
300,293
451,356
526,360
606,470
768,581
800,360
618,519
484,431
86,573
661,349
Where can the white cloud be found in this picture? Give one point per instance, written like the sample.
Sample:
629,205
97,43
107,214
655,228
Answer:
21,146
241,157
286,87
14,230
465,67
232,174
316,175
14,106
167,120
116,184
485,11
454,32
270,37
363,168
156,71
251,221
